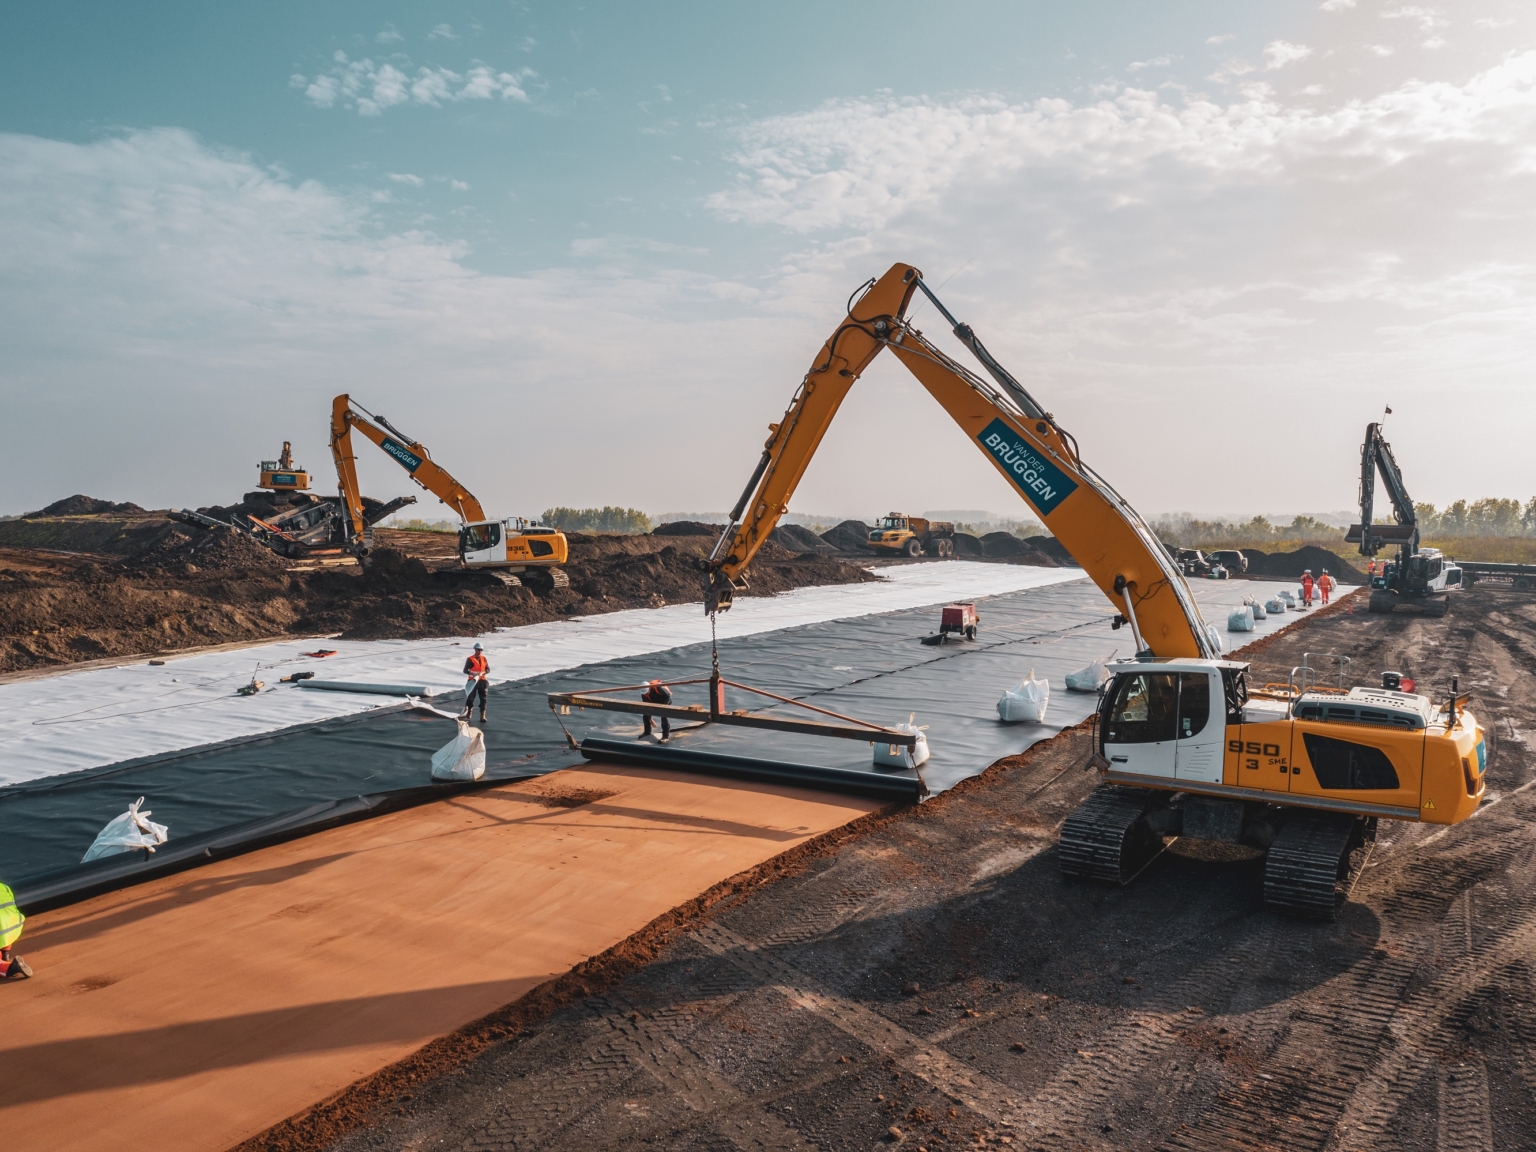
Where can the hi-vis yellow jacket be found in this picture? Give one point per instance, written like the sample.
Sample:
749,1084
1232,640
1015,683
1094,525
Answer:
11,918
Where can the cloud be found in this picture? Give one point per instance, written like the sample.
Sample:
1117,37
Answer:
389,35
164,284
1155,62
372,88
1428,19
443,32
458,185
1336,5
1222,39
1279,53
1160,270
407,178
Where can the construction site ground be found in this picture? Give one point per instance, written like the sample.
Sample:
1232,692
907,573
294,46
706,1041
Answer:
930,981
89,588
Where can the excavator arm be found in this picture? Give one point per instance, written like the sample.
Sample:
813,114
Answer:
408,453
1115,547
1376,456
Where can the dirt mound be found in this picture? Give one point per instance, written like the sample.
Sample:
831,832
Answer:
794,538
1051,547
78,505
688,528
1290,565
186,586
849,536
193,548
968,547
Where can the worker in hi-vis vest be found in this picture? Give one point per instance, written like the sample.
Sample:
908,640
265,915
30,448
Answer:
1325,586
11,967
478,669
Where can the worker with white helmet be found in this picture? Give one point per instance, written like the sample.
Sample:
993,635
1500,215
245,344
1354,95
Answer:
1325,585
478,669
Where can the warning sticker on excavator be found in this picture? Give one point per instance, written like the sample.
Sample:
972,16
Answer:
1044,485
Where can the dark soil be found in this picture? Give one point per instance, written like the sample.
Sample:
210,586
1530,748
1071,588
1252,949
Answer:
86,588
78,505
849,536
929,980
1290,565
794,538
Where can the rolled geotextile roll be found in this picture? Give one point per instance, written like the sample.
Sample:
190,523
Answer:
896,787
369,689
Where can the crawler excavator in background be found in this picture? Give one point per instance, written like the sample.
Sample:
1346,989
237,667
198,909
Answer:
1184,746
1419,577
508,549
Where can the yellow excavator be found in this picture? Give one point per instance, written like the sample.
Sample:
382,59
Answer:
508,549
1301,770
282,474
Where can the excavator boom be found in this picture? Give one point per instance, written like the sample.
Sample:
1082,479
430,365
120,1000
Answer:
408,453
1115,547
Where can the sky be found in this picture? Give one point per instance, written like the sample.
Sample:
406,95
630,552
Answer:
585,253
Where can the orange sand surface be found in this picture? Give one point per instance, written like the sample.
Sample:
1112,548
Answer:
195,1011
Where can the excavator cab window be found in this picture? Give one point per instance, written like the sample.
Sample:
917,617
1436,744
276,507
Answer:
479,537
1234,682
1144,709
1194,703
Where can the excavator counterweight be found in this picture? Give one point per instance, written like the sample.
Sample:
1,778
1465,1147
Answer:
1183,745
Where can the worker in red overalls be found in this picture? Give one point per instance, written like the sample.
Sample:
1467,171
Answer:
1325,585
1307,584
478,669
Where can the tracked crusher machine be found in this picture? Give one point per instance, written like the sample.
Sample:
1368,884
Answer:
1185,745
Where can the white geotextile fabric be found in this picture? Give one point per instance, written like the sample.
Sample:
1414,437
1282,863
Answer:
78,720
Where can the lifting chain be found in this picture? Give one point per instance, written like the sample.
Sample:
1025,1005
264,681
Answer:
714,648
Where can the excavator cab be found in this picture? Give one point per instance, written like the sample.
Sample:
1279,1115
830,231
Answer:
511,544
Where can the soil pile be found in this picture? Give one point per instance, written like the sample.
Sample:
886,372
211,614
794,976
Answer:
849,536
688,528
184,585
1052,547
78,505
1290,565
191,549
794,538
968,547
1008,547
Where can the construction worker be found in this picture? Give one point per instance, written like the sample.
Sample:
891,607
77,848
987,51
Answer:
657,693
11,967
1325,585
1307,584
478,669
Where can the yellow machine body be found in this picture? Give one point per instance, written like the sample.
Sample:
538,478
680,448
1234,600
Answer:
282,474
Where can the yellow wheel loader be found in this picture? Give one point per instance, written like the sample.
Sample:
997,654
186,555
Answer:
1184,745
913,536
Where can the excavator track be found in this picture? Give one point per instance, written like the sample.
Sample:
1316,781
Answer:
1313,863
1108,837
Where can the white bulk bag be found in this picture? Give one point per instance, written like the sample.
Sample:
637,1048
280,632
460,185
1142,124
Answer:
1026,703
1259,611
1089,679
1290,601
133,829
896,756
463,757
1277,606
1240,619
